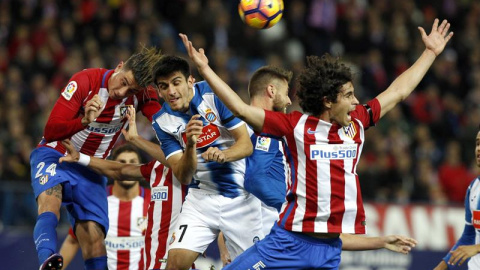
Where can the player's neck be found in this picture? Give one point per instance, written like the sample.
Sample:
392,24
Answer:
124,194
261,103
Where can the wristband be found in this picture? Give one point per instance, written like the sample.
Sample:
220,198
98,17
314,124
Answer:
83,160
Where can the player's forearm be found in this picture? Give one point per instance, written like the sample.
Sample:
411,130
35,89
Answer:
252,115
116,170
153,149
224,92
404,84
354,242
239,150
441,266
408,80
185,168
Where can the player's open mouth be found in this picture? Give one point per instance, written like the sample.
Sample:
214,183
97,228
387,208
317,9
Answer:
173,100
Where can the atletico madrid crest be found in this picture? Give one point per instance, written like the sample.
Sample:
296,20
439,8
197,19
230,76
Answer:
350,130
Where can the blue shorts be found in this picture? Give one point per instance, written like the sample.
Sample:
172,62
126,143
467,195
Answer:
282,249
84,191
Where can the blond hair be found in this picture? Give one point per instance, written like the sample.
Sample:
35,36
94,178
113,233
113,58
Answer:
141,65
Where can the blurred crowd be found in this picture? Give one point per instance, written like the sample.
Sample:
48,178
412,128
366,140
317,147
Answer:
422,151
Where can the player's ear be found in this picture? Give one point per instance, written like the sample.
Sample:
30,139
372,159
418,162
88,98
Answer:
327,103
190,81
270,91
119,66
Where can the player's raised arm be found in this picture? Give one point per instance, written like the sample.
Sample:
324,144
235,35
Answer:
254,116
405,83
112,169
153,149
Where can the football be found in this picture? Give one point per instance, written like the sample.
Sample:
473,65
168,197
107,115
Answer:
260,14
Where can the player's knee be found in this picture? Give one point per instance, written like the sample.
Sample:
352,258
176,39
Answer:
47,203
179,261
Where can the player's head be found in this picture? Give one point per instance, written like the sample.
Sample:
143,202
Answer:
174,82
134,75
127,154
271,82
326,85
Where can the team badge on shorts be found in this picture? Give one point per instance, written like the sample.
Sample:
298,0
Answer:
210,115
43,179
70,90
172,239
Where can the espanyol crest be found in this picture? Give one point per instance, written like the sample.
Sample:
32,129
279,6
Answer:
210,115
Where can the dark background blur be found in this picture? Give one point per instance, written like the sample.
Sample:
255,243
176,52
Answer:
421,152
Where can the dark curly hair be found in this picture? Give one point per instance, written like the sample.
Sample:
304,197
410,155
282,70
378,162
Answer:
322,78
141,65
264,76
169,64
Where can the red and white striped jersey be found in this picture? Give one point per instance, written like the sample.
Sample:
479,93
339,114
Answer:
167,196
325,193
98,138
125,236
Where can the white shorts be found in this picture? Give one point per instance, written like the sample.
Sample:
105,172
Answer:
203,216
269,217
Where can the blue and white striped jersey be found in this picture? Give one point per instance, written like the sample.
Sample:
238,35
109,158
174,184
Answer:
214,178
471,232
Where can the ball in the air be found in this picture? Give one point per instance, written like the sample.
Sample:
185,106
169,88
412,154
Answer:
260,14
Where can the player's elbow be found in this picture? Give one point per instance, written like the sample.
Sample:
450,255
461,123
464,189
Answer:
249,149
184,180
50,136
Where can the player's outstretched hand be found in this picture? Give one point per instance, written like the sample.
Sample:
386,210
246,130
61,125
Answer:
399,243
438,38
93,108
462,253
214,154
193,130
132,133
198,57
72,154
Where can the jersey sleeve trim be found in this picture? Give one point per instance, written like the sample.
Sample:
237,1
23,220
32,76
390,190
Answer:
173,153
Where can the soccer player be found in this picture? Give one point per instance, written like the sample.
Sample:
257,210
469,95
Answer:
325,144
90,111
203,141
268,89
167,192
267,173
127,212
468,246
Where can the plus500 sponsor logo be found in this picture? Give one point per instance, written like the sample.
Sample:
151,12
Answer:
104,129
124,243
333,151
159,194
